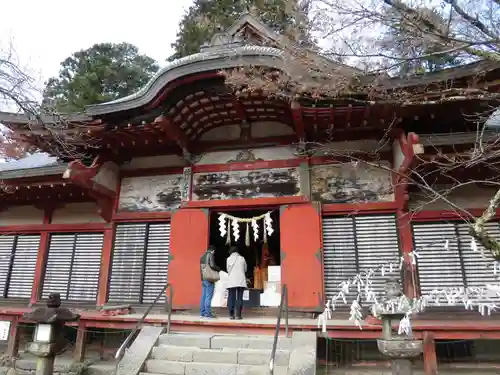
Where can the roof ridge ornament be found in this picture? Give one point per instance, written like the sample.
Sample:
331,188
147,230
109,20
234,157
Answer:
235,35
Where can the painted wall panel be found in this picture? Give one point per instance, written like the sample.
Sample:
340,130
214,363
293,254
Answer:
262,183
150,193
72,213
350,183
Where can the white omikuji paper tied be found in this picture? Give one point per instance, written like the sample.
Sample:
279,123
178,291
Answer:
483,299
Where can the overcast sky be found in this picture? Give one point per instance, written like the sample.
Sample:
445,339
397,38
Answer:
44,33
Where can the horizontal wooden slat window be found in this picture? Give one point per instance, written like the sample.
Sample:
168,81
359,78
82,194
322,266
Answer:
459,266
139,267
355,244
73,266
18,254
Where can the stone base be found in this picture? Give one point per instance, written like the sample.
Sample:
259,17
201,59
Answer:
401,367
400,348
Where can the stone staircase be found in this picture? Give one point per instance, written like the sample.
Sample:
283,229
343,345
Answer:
214,354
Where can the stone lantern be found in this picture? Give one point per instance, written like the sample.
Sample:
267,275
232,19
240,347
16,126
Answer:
49,340
401,349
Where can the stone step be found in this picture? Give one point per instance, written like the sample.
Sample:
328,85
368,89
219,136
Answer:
156,367
242,356
134,357
210,341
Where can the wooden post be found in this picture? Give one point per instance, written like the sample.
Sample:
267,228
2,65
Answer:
41,259
406,237
430,359
13,341
81,341
106,254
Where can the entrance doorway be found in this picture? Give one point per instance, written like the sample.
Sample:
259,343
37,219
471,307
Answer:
261,252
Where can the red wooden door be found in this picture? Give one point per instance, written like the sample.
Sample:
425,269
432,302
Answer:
188,241
301,256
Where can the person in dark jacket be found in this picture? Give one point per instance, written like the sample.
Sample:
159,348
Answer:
209,275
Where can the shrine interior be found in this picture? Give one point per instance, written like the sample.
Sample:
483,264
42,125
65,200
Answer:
259,254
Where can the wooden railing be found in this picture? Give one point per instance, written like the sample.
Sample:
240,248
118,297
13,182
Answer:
283,305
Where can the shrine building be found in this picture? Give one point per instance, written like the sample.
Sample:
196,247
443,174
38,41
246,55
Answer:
186,163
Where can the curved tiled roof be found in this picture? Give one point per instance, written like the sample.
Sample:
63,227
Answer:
32,161
225,57
37,164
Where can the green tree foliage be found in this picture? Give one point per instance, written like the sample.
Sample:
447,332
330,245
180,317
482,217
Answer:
408,43
207,17
98,74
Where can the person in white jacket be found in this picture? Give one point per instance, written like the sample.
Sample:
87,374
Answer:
236,282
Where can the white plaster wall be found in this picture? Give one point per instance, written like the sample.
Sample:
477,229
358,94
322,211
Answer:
154,162
456,138
366,145
270,129
223,133
265,153
398,156
467,197
260,129
73,213
107,176
21,215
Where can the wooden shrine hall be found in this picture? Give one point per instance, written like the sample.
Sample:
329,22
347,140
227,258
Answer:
158,176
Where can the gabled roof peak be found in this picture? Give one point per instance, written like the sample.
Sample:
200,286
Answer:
235,35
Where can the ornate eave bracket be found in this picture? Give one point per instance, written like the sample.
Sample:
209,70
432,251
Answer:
100,180
410,148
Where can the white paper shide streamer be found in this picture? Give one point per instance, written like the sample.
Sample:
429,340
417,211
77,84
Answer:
230,225
269,224
236,230
222,225
255,228
484,299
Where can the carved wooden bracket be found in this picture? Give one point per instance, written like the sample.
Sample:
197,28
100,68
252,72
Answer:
173,132
100,179
298,121
410,146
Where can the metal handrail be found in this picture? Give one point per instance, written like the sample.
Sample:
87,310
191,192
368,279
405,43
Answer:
283,303
121,351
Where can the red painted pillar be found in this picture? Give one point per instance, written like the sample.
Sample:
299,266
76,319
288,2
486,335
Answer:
406,237
41,259
13,341
302,256
189,234
106,255
430,358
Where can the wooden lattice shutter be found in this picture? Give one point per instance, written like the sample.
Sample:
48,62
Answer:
437,268
127,263
7,244
73,266
140,262
157,256
23,266
358,243
86,266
